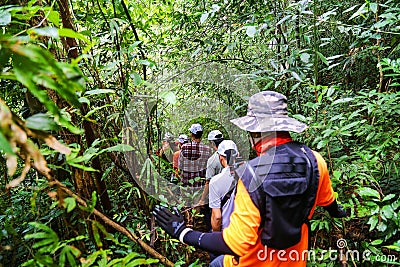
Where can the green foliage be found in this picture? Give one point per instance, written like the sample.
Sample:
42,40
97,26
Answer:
35,68
380,211
53,252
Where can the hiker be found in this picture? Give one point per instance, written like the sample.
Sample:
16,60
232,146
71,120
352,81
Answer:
213,164
276,194
193,158
222,187
166,151
182,139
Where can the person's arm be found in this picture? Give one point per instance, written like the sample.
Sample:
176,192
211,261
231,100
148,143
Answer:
204,195
335,210
236,239
180,159
216,220
325,194
243,230
210,170
174,224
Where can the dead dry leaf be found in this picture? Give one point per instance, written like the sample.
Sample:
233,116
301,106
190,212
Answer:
52,142
11,164
24,172
52,195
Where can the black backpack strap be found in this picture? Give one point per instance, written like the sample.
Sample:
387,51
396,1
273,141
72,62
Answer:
313,185
234,182
229,194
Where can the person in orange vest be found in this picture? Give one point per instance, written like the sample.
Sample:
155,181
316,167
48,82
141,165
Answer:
276,195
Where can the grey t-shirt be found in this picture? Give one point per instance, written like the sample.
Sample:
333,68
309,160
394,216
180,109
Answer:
218,188
213,166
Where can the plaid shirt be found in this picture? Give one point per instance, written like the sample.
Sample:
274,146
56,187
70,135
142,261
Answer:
193,161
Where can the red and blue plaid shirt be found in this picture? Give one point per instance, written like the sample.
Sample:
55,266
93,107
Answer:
193,161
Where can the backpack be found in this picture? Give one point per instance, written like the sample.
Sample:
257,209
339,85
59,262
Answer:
286,183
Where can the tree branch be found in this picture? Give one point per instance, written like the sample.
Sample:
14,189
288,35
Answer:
114,225
142,55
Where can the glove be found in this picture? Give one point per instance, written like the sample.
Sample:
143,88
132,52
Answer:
336,210
172,223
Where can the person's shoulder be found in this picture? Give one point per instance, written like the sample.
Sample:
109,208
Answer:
205,147
214,156
318,156
216,178
185,146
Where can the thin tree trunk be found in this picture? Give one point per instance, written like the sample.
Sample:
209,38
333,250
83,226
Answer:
71,47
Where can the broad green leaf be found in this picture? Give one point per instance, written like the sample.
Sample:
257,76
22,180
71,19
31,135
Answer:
69,203
140,262
377,242
305,57
350,9
388,197
283,19
72,34
342,100
100,91
136,78
82,167
359,12
387,212
251,31
396,204
368,192
382,226
43,227
47,31
61,85
47,243
135,44
351,125
322,57
337,174
118,148
373,7
54,17
5,145
39,235
373,221
72,253
203,17
45,260
147,62
94,198
5,18
96,235
296,76
41,121
395,246
91,112
84,100
322,143
169,97
26,71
